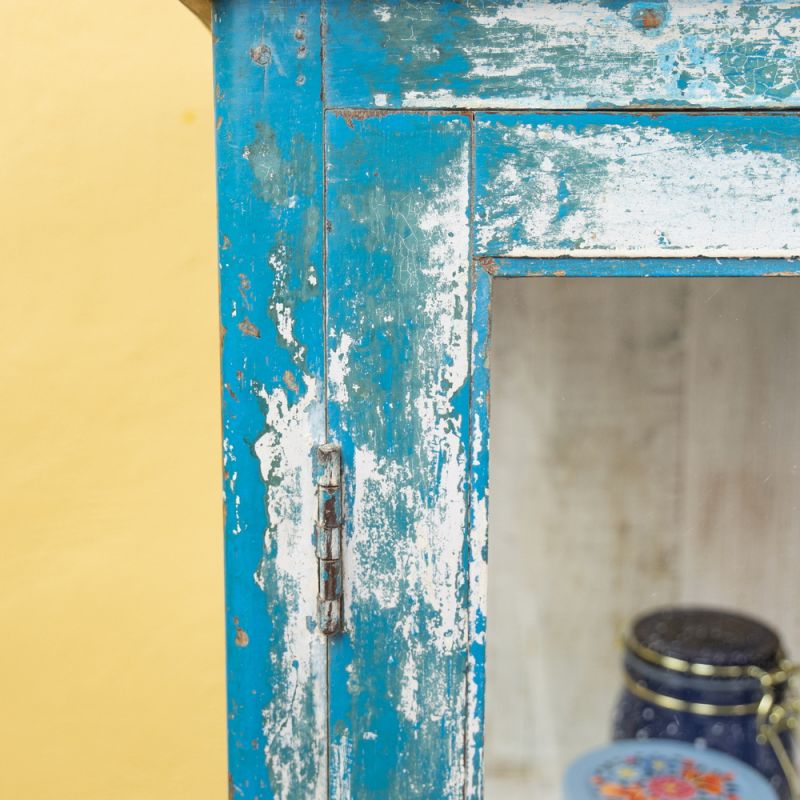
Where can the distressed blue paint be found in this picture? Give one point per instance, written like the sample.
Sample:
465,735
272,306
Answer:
407,678
552,54
763,131
569,182
644,268
399,399
269,168
478,526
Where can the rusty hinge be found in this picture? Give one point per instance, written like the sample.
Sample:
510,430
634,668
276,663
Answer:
329,539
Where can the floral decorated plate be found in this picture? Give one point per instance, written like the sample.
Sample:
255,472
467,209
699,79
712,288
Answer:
662,770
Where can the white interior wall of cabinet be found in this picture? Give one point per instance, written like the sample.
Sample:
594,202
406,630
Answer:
645,449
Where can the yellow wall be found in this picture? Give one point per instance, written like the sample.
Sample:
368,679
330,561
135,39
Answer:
111,599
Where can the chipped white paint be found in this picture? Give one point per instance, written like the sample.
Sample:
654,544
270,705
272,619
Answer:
229,460
409,692
381,100
340,753
478,548
283,313
431,559
338,367
285,322
382,12
285,454
407,498
536,54
635,190
478,575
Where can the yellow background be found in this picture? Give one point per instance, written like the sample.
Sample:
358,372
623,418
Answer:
111,597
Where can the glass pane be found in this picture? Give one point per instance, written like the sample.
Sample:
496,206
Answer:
645,441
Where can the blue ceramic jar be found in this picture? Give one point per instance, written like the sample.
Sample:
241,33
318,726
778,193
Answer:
714,678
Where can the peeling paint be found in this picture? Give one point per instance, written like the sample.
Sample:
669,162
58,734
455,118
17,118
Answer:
551,54
269,146
478,528
407,677
284,452
398,391
241,639
595,184
338,367
341,759
248,329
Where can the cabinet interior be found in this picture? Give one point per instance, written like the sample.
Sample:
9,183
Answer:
645,442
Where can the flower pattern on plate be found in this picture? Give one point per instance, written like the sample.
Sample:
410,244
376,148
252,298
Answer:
645,777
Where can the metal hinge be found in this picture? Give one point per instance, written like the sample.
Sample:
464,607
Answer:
329,539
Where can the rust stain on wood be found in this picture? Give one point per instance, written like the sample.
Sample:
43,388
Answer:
248,329
651,18
289,380
349,115
261,55
488,264
241,639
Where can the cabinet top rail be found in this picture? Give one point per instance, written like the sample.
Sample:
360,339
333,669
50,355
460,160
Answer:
548,54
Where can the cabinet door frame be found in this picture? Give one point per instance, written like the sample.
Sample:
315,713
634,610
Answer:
270,181
487,270
287,73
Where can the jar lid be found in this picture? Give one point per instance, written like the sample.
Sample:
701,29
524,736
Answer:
657,769
708,636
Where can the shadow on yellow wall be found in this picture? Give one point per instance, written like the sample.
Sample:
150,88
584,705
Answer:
111,600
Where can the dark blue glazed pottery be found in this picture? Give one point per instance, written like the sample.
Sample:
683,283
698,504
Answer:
708,677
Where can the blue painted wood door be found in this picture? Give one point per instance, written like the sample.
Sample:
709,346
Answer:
379,166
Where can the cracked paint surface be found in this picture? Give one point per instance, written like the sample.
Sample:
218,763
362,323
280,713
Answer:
632,185
269,158
292,432
478,552
398,338
551,54
407,676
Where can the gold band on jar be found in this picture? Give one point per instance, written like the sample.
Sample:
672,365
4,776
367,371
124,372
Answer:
772,717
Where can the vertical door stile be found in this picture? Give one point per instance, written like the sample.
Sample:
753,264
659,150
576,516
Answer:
398,383
269,170
478,523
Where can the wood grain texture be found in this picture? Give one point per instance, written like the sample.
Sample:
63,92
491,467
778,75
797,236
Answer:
586,415
398,260
549,54
269,149
741,528
670,184
644,441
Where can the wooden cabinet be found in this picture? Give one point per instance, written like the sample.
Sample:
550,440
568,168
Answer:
381,167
